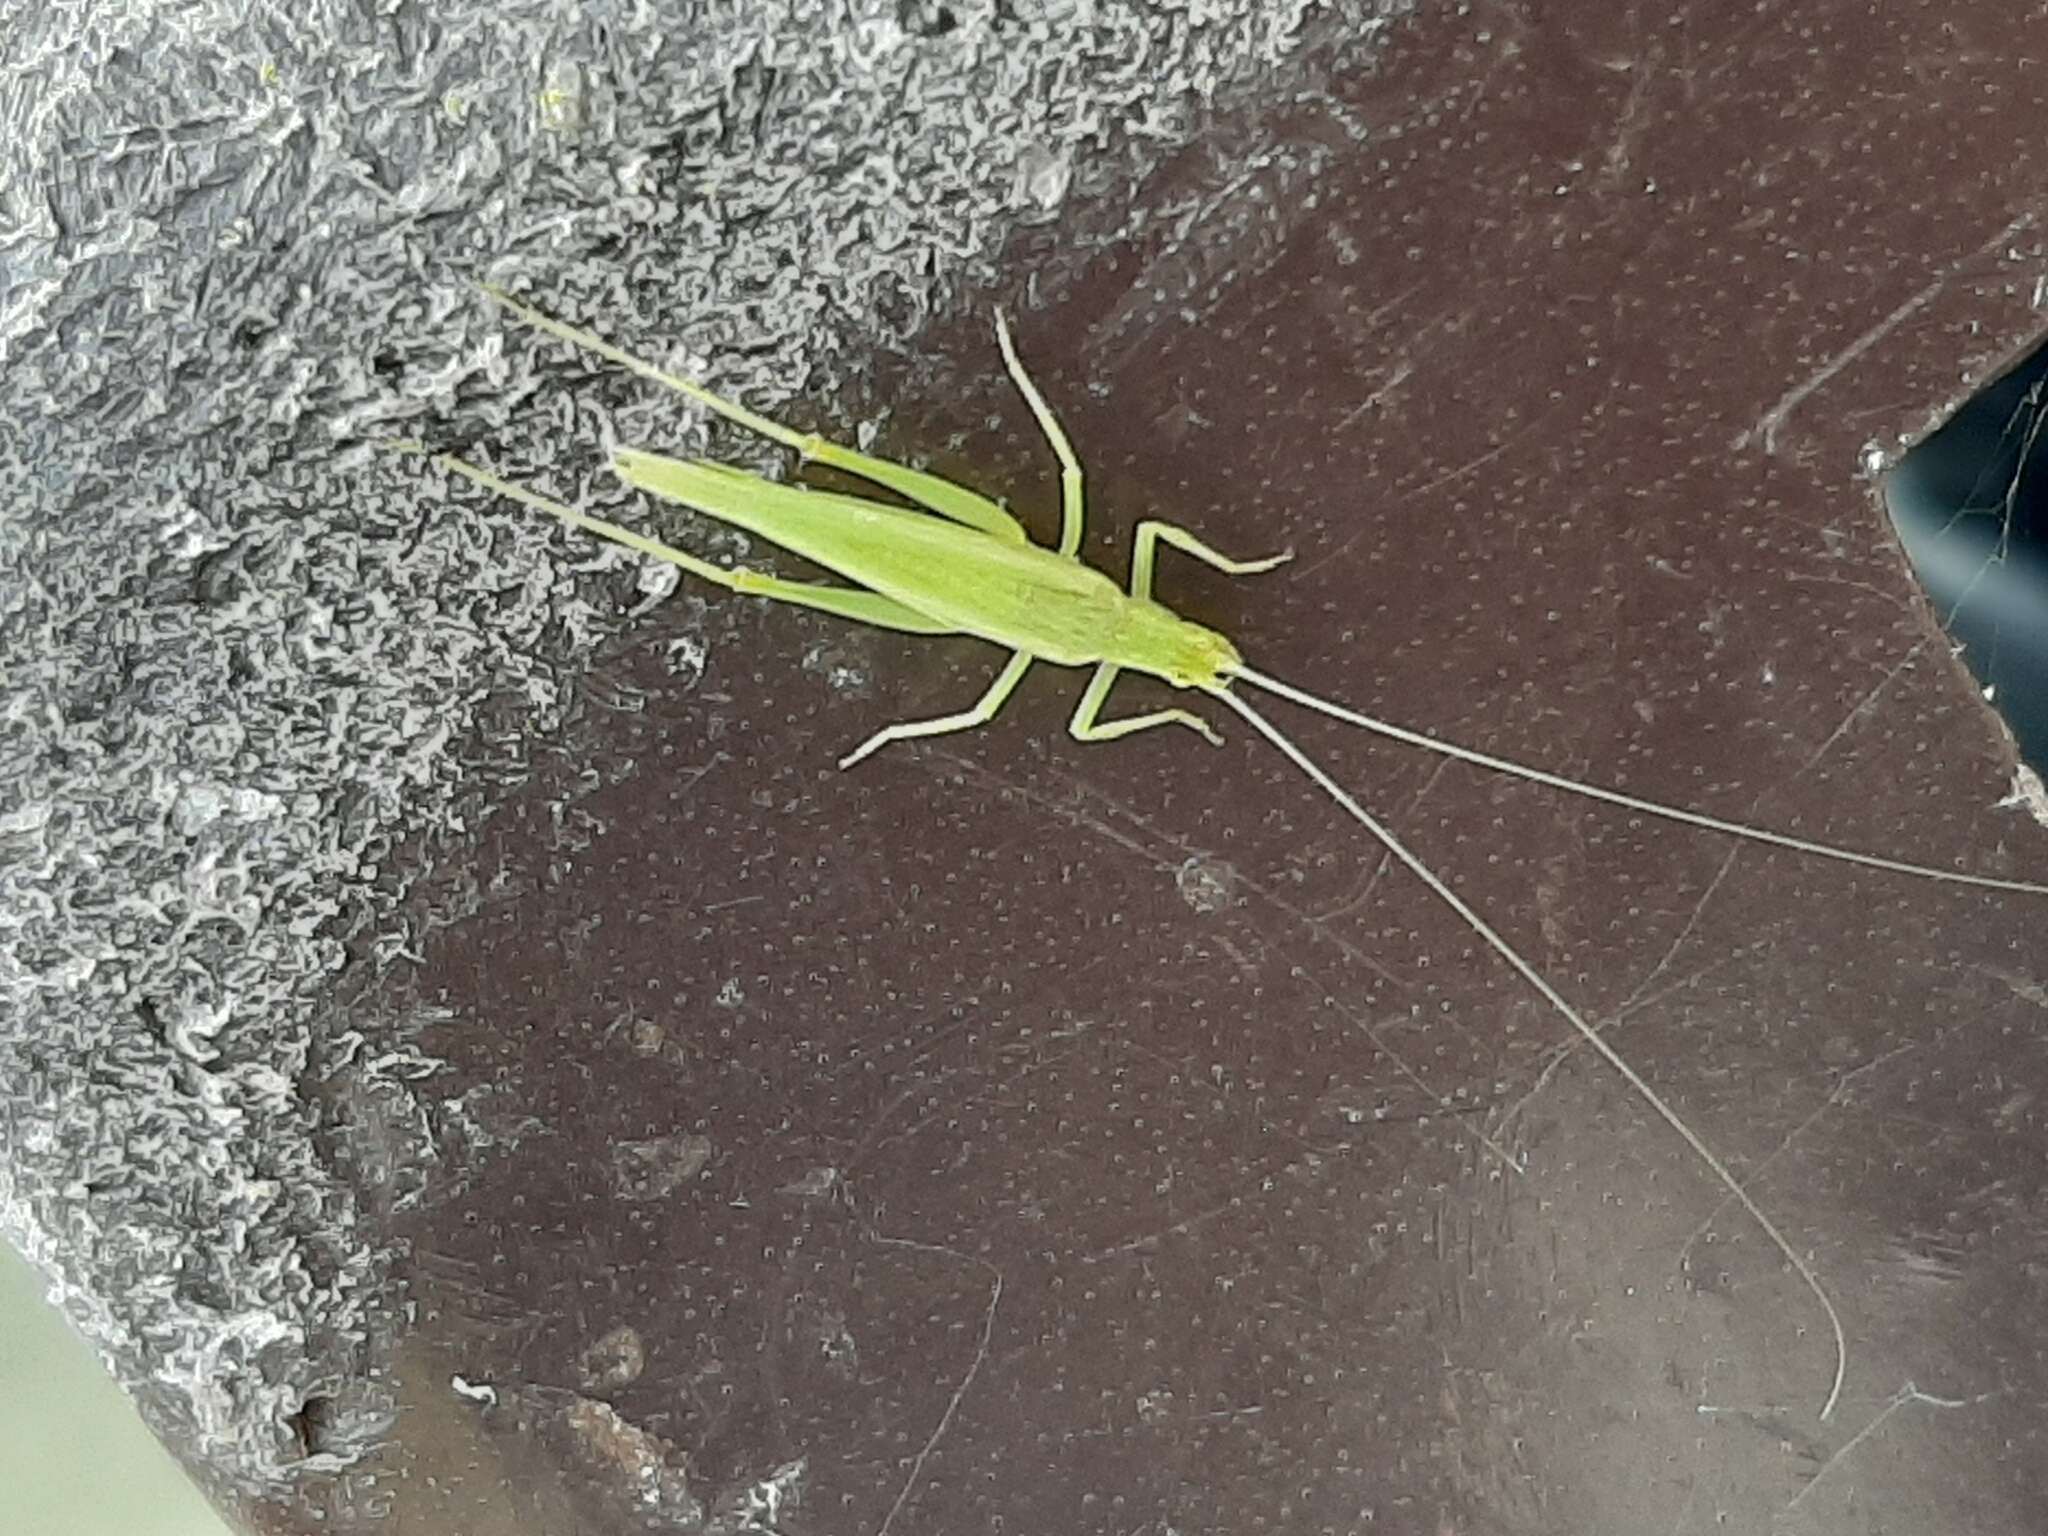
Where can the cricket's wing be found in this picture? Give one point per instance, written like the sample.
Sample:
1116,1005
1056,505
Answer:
1018,595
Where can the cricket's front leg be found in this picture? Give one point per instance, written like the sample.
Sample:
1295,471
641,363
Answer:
1145,552
1085,727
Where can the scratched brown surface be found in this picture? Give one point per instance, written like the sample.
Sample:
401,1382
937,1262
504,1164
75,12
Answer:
1034,1137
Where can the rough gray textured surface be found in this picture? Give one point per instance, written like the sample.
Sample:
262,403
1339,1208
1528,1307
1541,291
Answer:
239,668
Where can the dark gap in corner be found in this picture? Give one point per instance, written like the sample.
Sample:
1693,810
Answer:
313,1426
1970,503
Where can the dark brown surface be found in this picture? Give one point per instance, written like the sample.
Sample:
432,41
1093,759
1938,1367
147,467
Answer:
1026,1136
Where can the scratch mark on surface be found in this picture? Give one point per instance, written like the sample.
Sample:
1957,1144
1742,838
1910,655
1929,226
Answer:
992,1091
1767,425
988,1325
1372,1033
1870,588
1245,967
1073,813
1151,1240
1402,372
2024,988
1836,1095
1563,1050
1469,467
965,1017
1692,921
1861,708
1908,1393
1628,122
1350,903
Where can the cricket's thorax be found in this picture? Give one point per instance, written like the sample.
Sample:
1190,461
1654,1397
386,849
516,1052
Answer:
1150,637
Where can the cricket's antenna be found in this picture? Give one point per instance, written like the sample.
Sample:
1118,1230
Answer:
1616,797
1530,974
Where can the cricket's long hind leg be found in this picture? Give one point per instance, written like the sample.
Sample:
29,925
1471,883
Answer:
1072,504
841,602
927,490
984,711
1083,726
935,493
733,412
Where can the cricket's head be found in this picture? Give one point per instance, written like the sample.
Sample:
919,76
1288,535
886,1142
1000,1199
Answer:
1153,638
